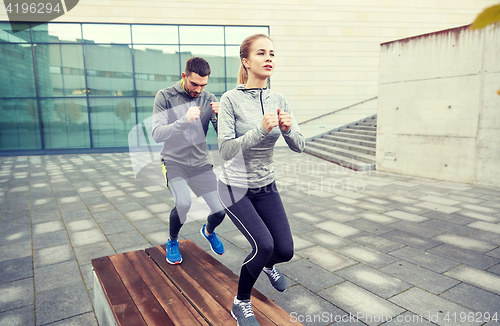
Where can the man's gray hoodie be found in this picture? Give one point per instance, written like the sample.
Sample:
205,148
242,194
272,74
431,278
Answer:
244,144
183,142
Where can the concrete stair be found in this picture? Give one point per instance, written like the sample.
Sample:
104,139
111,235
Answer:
352,146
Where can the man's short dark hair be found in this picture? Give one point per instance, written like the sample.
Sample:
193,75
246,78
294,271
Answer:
198,65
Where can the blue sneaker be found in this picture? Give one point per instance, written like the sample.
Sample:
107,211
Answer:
173,255
214,241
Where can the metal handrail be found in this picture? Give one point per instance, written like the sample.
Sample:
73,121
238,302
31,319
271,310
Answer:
347,107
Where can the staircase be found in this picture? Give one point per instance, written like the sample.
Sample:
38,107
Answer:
352,146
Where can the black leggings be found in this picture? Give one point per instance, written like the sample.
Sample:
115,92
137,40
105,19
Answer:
259,214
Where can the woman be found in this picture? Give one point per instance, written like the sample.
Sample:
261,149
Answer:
251,119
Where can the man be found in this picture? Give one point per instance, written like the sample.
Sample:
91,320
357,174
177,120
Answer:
181,115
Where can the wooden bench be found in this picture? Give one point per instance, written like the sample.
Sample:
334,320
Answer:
140,288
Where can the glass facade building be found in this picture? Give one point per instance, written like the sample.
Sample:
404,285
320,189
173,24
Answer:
81,87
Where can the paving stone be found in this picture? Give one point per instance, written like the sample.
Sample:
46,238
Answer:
494,253
464,256
361,303
443,226
62,303
48,216
306,307
430,307
55,276
337,215
325,239
72,207
473,298
478,216
490,237
80,320
160,237
439,200
325,258
406,216
307,217
465,243
421,277
18,317
126,239
52,255
463,198
376,242
337,228
369,226
403,199
487,281
495,269
83,238
297,227
138,215
16,269
150,225
485,226
365,255
416,228
374,208
452,218
301,269
116,226
16,294
85,254
411,239
108,216
81,225
373,280
482,209
378,218
421,258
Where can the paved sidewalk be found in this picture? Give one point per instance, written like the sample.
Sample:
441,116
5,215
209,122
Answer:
375,246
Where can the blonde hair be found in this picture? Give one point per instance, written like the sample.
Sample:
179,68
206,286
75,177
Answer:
245,48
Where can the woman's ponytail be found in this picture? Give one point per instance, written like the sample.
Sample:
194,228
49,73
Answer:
242,75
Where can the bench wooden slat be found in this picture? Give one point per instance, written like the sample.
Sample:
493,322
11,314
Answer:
214,267
145,301
123,307
181,312
202,299
219,292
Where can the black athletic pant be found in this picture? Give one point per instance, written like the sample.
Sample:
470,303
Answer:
259,214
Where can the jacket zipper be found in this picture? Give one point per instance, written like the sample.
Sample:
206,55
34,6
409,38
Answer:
261,104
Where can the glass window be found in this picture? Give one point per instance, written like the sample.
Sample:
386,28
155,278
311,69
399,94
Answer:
155,34
202,34
19,125
215,57
236,35
145,115
60,70
16,69
156,68
109,70
105,33
8,36
111,120
57,33
65,123
233,64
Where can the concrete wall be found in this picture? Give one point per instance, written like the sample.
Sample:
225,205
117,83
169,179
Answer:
438,110
327,50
